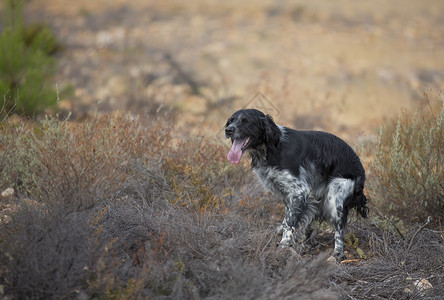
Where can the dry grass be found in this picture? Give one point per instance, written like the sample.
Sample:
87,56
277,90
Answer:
397,265
157,213
76,162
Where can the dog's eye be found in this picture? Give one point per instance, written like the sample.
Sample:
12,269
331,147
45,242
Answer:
231,120
244,120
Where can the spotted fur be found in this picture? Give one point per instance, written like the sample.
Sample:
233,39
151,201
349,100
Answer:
317,175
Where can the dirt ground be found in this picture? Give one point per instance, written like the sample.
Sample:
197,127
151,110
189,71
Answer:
341,66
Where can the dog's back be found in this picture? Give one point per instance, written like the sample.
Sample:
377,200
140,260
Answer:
331,155
326,157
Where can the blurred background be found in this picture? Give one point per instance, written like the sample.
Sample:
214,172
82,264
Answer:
341,66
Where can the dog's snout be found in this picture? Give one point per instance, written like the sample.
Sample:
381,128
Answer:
229,131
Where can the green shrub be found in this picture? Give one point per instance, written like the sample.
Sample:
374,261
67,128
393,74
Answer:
408,168
26,67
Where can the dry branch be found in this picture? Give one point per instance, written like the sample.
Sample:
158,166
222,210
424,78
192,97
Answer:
418,231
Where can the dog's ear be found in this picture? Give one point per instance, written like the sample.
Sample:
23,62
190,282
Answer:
272,132
272,135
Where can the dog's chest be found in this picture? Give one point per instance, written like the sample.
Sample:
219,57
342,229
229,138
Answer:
280,182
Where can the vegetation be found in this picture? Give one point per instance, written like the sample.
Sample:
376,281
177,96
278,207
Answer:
26,67
106,208
98,206
408,168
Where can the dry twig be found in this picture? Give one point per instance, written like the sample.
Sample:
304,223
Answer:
418,231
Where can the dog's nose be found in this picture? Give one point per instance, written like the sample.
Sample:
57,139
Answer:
229,131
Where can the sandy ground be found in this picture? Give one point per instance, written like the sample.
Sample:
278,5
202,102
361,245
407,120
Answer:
342,66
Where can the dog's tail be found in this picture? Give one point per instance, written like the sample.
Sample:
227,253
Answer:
361,205
361,201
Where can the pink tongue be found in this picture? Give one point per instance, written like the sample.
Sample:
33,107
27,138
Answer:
235,153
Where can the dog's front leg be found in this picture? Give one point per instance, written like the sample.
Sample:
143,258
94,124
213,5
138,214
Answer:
295,206
284,226
286,229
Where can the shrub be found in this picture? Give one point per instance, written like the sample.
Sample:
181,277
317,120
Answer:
26,67
408,168
107,209
107,224
45,253
77,163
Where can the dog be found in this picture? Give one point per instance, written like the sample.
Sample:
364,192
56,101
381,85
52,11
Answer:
317,174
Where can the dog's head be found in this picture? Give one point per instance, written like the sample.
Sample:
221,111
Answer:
250,129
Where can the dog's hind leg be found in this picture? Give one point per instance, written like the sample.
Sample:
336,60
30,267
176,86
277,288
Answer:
338,252
339,189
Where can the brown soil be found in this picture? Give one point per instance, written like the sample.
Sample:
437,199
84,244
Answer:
341,66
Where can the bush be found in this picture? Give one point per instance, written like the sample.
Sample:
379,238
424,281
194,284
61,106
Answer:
408,168
108,209
46,253
79,163
26,67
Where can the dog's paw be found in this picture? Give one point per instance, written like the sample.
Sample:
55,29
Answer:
331,260
287,239
336,258
280,230
284,244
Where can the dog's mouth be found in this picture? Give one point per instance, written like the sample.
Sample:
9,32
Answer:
237,149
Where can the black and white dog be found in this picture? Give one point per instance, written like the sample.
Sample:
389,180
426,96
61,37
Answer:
316,173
